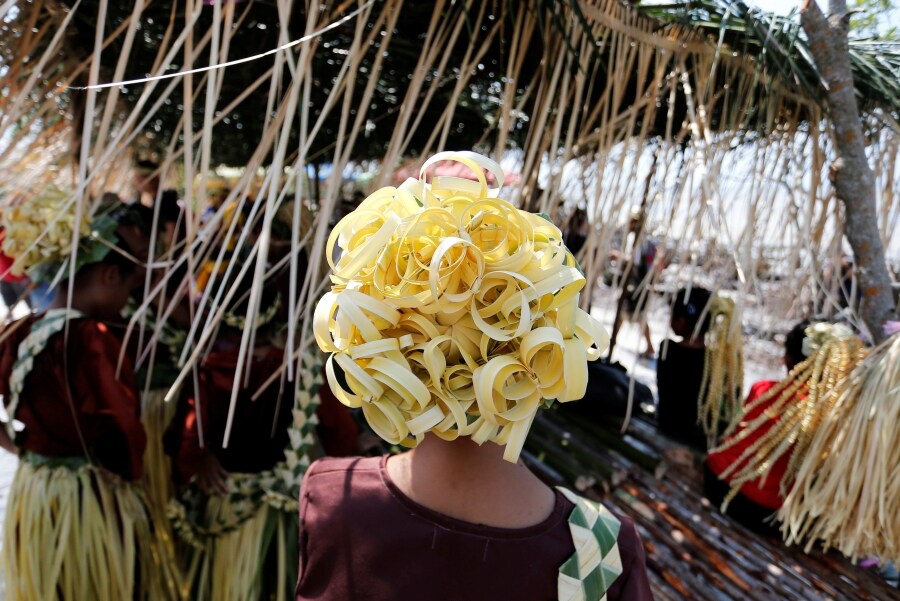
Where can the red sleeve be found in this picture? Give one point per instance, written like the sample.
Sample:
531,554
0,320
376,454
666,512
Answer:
721,460
756,391
108,400
183,437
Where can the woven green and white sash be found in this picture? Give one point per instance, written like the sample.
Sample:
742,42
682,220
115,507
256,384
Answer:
588,574
42,330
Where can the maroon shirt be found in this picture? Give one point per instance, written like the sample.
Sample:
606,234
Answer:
361,538
104,399
252,447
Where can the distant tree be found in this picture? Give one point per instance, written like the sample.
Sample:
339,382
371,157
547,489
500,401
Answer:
876,18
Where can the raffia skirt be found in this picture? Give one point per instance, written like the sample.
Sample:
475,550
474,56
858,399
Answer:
156,414
74,533
243,546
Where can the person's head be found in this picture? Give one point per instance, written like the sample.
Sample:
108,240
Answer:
110,199
103,287
171,222
688,308
793,345
146,178
453,313
635,219
107,261
170,225
579,220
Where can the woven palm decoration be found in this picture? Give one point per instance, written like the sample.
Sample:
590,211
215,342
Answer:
453,312
596,564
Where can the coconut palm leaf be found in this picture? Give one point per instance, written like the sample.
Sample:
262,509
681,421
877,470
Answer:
778,43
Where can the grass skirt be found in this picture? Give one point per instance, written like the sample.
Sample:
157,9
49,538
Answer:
244,545
73,533
156,414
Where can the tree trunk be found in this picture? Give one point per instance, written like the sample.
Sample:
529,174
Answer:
854,183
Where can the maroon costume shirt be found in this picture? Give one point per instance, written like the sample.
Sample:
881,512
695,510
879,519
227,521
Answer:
81,380
362,538
252,447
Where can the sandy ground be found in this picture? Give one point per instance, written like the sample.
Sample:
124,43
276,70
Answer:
762,358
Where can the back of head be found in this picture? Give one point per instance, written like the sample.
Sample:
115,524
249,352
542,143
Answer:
41,228
114,257
146,177
579,217
688,308
793,344
453,312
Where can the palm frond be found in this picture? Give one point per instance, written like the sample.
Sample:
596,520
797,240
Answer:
777,43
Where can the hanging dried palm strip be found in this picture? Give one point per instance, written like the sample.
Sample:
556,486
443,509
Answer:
802,402
719,403
846,492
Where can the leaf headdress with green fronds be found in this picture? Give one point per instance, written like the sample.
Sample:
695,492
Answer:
38,235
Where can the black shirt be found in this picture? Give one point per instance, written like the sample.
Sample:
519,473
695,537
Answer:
679,376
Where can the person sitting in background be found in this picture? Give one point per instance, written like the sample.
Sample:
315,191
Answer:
679,371
759,499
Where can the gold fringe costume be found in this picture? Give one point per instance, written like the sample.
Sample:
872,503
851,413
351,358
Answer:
832,353
719,405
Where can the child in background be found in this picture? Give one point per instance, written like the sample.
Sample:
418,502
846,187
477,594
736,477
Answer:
76,525
236,526
679,371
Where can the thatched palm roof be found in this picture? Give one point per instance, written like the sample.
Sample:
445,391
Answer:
765,53
591,82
